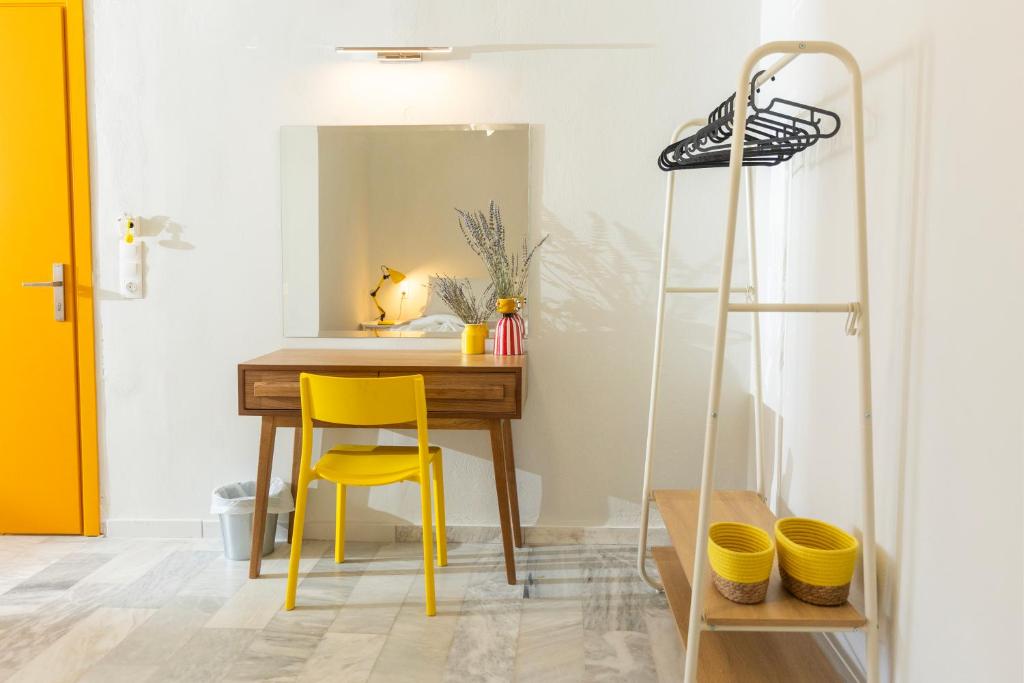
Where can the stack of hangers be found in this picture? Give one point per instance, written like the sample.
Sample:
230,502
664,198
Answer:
773,134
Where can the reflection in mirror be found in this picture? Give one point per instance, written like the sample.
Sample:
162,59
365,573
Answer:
361,202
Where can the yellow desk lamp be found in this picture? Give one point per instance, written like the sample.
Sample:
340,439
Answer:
385,274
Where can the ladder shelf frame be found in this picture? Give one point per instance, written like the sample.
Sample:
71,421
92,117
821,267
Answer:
857,325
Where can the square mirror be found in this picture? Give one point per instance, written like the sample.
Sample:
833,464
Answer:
361,201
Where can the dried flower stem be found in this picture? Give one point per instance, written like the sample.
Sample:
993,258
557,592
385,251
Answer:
485,235
459,297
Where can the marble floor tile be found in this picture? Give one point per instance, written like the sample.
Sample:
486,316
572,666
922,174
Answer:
57,577
164,633
71,655
130,561
484,643
616,644
22,637
220,579
346,657
274,656
118,673
665,641
377,596
209,655
621,656
551,643
163,581
16,567
257,601
424,643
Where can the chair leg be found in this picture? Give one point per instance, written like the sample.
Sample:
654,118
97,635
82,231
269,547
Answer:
442,540
428,550
296,553
339,526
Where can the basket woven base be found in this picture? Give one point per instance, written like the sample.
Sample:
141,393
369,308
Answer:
827,596
743,593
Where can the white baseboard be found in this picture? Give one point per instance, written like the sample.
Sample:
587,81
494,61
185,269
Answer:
387,533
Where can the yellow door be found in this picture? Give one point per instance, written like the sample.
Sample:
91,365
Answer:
41,466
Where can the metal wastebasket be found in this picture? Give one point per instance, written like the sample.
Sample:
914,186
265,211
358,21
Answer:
235,504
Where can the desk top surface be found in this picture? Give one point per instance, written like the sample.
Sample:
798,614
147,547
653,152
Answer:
285,359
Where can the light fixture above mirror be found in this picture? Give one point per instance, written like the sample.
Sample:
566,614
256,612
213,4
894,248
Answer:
395,54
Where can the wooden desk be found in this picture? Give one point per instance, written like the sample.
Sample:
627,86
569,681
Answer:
482,392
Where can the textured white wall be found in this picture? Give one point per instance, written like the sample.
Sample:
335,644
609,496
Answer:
186,101
300,221
945,212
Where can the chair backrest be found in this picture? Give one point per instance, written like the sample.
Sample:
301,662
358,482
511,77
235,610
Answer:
363,401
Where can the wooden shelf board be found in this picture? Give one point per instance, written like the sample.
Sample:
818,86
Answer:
743,656
679,510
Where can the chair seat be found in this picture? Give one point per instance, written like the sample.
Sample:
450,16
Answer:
370,465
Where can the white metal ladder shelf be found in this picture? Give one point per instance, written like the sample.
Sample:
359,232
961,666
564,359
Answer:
857,323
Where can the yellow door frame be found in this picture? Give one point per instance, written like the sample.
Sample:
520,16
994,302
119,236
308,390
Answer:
81,247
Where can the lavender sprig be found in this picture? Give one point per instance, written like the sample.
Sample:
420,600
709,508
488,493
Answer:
457,294
485,235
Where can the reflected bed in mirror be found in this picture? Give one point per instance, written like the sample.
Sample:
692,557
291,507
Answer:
361,202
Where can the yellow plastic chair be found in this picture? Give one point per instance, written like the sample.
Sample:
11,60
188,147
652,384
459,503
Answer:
368,402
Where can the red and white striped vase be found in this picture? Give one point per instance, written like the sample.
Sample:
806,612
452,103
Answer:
508,335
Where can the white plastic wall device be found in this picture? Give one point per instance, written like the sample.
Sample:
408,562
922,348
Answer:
129,257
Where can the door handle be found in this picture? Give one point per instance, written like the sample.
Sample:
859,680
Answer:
58,290
42,284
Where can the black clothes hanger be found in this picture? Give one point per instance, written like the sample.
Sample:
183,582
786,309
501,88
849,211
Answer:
774,134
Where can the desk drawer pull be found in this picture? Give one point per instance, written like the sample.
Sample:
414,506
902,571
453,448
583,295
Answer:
484,392
279,389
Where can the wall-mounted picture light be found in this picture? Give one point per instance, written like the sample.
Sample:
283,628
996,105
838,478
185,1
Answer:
395,54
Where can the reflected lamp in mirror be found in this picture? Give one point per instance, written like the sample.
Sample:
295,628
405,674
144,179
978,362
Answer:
396,278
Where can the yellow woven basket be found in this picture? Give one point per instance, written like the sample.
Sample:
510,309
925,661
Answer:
816,560
741,558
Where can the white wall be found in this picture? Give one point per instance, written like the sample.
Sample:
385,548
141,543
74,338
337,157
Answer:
186,101
946,244
300,221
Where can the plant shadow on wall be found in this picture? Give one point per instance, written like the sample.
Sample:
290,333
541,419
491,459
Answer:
597,295
590,284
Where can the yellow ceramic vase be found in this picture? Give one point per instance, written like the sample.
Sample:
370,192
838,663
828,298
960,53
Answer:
473,337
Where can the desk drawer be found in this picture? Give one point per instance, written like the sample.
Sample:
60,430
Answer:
279,389
484,393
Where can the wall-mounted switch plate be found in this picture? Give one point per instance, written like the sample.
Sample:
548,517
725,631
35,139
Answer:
129,258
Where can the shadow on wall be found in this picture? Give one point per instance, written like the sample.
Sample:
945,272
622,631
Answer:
599,278
154,226
596,322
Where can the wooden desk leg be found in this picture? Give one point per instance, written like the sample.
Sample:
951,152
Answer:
501,486
268,431
296,461
510,477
